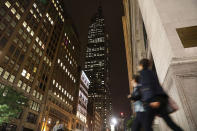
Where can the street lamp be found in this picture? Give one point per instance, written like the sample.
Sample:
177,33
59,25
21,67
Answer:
113,124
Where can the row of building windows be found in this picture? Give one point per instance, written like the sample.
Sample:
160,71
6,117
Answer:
99,54
83,98
34,106
62,99
37,95
6,75
66,70
47,60
95,49
67,107
71,60
57,9
61,89
81,117
24,86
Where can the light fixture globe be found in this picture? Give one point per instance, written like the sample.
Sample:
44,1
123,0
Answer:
113,121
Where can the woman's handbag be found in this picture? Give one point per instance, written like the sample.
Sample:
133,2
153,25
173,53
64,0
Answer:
171,106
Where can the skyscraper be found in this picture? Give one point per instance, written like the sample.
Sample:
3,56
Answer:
97,66
39,56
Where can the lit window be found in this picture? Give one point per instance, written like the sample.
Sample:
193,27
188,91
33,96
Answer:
34,93
32,33
61,64
35,69
56,84
7,4
37,39
17,4
64,68
31,11
12,78
43,46
40,43
28,89
24,24
1,70
65,92
6,75
13,10
53,82
24,72
41,96
60,87
18,16
28,75
58,61
19,83
28,29
37,95
22,10
35,5
24,86
38,10
47,15
35,16
38,50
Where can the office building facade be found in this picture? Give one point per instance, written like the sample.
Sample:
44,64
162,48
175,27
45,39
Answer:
165,32
39,56
97,66
83,102
94,119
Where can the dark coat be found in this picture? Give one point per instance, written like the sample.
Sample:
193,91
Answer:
150,86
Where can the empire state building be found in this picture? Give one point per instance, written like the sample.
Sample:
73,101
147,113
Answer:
97,67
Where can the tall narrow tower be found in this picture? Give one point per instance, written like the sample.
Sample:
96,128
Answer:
97,66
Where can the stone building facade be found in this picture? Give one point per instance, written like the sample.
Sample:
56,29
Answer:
39,56
165,32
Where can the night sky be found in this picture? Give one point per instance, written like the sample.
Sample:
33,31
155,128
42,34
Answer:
81,12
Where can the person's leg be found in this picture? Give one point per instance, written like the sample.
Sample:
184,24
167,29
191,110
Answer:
171,123
136,123
149,116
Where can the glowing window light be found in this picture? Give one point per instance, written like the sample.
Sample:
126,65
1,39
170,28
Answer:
7,4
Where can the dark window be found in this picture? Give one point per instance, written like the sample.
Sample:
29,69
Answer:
11,49
32,118
13,23
2,12
21,58
3,42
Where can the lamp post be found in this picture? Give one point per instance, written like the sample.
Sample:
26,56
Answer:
113,124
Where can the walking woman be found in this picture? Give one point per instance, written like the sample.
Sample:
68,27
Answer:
155,100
